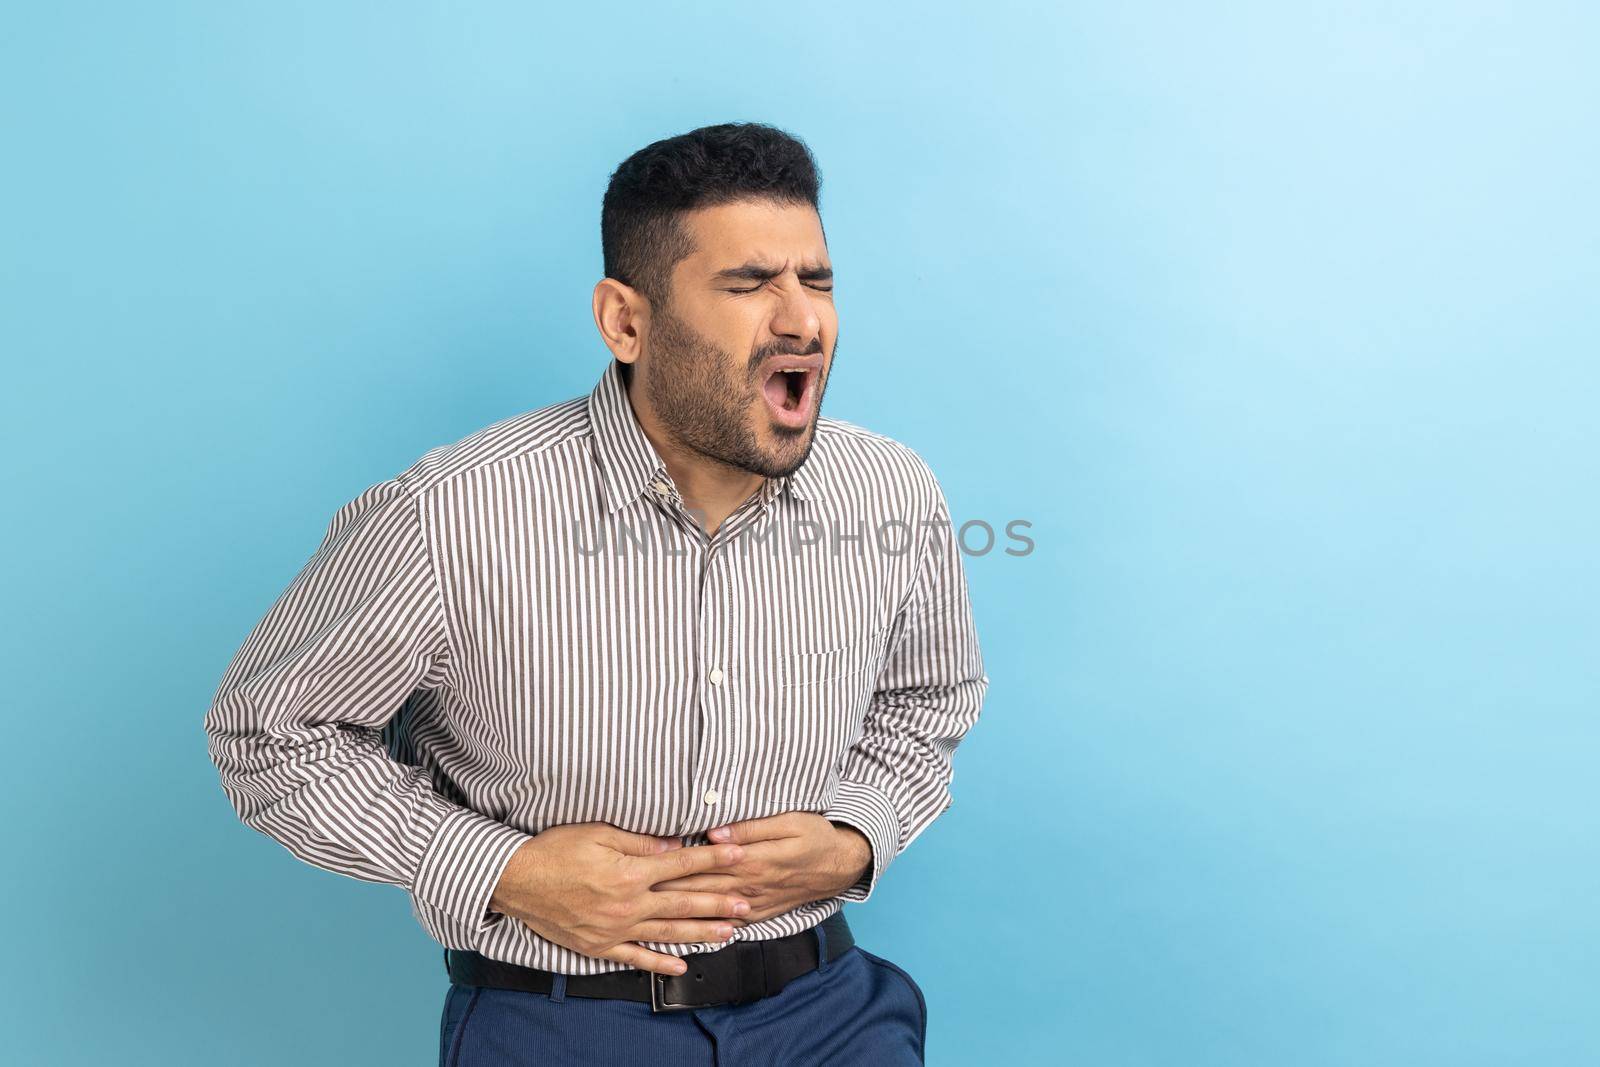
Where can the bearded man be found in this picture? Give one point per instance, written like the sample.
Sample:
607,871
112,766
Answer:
631,693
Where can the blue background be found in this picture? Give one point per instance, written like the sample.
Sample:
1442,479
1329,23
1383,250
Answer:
1277,322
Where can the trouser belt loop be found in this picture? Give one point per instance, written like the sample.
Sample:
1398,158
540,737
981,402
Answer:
752,979
771,978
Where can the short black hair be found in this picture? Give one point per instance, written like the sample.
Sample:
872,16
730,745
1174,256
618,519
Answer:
641,234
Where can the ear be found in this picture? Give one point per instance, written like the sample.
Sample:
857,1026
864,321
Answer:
622,315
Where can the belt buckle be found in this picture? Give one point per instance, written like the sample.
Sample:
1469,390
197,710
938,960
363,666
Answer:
657,1004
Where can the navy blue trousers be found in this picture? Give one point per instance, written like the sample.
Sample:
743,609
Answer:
858,1009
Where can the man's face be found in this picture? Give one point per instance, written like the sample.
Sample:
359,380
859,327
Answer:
755,296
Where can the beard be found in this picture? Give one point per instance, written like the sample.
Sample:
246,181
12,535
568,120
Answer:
706,404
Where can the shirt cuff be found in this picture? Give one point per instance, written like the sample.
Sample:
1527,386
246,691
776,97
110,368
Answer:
867,809
463,864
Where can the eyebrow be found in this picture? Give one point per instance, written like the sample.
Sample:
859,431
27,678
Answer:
755,272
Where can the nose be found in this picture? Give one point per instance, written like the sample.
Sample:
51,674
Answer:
796,316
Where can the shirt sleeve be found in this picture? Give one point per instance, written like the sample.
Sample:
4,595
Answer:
294,728
896,778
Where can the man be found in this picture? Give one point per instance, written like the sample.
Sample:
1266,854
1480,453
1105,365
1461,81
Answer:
632,692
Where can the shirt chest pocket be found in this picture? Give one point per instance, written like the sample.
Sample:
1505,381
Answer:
839,668
815,714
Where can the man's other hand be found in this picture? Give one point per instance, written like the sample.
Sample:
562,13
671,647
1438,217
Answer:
790,859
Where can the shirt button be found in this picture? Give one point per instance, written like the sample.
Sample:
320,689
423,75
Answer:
660,487
711,796
716,675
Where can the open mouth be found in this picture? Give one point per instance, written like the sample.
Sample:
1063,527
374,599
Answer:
789,395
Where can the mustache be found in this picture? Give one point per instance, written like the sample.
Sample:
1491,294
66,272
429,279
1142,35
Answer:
815,348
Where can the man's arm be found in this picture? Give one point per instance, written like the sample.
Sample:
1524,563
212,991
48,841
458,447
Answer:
294,728
896,778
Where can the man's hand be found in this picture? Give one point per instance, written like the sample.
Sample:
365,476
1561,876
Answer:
790,859
588,887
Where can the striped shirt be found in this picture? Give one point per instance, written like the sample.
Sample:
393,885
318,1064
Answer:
528,627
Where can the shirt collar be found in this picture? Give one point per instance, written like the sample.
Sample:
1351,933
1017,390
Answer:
629,464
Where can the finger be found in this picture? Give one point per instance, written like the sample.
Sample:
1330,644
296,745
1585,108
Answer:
632,844
775,851
639,956
747,830
693,859
706,882
696,906
688,931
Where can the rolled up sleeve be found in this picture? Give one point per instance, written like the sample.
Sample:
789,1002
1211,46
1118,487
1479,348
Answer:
295,726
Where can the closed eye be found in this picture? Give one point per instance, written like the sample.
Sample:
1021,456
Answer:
818,288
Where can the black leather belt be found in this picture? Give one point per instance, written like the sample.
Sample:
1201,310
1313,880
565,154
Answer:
736,973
